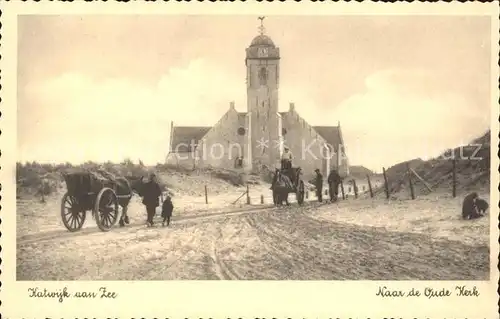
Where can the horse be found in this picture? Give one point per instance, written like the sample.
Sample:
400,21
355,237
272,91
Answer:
125,186
283,185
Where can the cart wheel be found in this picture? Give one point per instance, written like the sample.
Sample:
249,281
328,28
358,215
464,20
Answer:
106,209
300,193
72,215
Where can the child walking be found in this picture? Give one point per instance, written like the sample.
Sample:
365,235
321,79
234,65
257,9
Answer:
166,210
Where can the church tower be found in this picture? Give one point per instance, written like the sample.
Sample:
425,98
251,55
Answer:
262,64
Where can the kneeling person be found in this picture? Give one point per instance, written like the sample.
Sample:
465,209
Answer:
473,207
482,205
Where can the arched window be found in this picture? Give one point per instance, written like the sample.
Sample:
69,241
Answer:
263,76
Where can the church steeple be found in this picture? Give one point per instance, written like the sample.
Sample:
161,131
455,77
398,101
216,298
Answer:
262,62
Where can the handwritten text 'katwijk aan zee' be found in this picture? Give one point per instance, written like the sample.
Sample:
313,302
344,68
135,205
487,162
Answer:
428,292
61,294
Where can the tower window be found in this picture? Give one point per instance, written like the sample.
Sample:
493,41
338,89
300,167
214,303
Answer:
263,76
241,131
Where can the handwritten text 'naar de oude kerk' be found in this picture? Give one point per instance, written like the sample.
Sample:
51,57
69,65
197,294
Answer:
428,292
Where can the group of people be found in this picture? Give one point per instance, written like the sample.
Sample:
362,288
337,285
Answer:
151,193
473,207
333,180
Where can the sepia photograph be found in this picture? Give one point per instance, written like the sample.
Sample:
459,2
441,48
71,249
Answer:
254,147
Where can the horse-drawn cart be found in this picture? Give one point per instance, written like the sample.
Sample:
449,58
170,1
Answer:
99,193
288,181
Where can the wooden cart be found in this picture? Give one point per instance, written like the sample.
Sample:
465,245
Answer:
86,193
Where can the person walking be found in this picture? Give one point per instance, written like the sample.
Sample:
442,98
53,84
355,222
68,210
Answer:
151,197
318,182
166,211
333,185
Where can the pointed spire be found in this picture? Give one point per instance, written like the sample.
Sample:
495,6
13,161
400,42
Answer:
261,27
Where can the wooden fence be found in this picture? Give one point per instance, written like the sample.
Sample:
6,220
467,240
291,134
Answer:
255,196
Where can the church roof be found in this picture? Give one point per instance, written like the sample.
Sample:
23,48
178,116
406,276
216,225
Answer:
331,134
262,40
183,136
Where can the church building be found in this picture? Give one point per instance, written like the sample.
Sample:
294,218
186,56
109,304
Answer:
254,140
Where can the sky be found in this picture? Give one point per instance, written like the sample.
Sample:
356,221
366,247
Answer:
107,87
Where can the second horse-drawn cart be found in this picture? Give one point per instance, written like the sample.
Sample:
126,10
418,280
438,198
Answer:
100,193
287,181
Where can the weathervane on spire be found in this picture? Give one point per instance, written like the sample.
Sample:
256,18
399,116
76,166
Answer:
261,28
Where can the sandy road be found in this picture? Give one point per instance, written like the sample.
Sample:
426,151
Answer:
277,243
63,233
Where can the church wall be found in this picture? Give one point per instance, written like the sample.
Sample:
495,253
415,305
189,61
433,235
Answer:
298,137
222,144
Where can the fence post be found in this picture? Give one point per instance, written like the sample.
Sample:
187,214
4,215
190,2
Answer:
454,179
206,195
261,199
369,185
307,194
248,195
342,188
355,188
386,184
412,191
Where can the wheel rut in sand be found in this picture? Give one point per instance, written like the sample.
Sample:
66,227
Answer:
305,248
220,268
61,234
292,254
274,244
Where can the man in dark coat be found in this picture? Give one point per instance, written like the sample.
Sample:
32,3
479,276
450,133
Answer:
151,193
469,207
333,185
166,210
318,182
